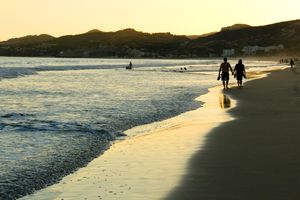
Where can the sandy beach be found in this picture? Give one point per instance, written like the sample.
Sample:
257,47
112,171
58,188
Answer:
148,164
143,100
256,156
224,150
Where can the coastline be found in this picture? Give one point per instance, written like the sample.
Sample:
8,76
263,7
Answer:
256,155
147,166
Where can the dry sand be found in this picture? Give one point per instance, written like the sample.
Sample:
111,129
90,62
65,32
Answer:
148,166
256,156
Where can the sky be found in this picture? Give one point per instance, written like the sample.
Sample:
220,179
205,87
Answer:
181,17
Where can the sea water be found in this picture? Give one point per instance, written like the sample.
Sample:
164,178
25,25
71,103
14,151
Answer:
57,114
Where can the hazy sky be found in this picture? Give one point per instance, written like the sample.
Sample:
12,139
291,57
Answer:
61,17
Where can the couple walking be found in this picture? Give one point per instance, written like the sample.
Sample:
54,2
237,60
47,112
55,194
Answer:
238,72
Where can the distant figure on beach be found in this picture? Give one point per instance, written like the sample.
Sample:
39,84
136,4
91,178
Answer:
129,66
240,72
224,68
292,63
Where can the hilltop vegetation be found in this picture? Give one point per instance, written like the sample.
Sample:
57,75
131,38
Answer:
259,40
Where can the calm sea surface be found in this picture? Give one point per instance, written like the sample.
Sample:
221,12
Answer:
56,115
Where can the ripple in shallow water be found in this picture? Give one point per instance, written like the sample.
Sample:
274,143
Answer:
41,162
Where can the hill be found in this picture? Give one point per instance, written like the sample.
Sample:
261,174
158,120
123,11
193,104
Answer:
279,38
95,43
239,39
202,35
235,27
30,39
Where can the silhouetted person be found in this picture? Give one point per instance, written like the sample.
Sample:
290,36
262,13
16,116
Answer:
240,72
292,63
224,68
129,66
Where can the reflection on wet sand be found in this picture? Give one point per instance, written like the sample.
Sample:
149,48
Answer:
224,101
295,71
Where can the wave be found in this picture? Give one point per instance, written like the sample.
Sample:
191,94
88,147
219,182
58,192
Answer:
43,151
46,150
14,72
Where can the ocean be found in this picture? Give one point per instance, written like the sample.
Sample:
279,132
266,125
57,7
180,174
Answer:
57,114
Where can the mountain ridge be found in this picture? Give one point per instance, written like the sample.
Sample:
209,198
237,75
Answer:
277,38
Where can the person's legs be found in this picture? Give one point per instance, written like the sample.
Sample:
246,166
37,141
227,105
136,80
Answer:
225,79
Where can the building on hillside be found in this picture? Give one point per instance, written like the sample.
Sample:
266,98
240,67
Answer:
228,52
253,50
274,47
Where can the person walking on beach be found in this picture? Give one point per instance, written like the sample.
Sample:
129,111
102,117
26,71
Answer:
240,72
224,68
292,63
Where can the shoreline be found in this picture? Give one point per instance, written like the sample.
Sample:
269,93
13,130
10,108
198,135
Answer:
133,168
99,181
254,156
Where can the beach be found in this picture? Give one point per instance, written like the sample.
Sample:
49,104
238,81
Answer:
242,144
59,114
256,155
145,166
226,149
131,101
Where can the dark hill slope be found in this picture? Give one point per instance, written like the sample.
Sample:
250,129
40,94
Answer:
285,33
124,43
27,40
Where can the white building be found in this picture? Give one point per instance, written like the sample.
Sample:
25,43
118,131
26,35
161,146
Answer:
271,48
252,50
228,52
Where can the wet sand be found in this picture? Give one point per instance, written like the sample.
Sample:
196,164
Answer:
147,166
256,156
